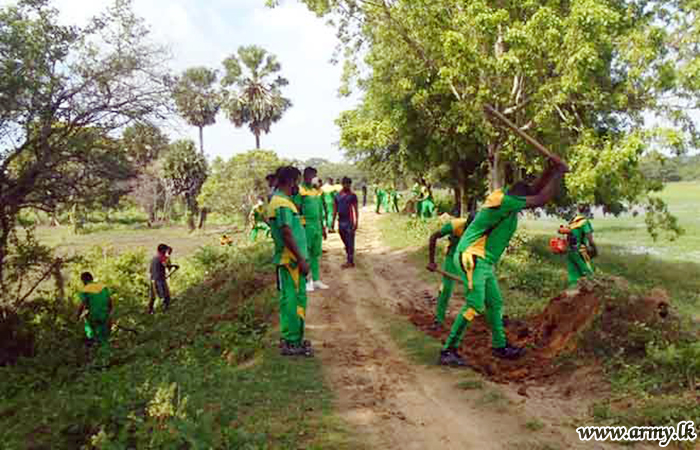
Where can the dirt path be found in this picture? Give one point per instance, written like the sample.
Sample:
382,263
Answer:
392,401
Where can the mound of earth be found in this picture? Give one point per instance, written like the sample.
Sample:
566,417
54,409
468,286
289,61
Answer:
555,332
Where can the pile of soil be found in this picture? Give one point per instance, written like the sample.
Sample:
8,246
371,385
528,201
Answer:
547,337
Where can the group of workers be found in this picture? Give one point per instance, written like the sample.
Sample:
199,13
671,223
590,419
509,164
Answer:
388,200
476,245
299,212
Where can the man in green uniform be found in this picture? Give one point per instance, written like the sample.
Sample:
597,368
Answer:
328,195
380,194
454,229
257,217
393,200
95,297
426,204
313,210
481,247
581,248
290,258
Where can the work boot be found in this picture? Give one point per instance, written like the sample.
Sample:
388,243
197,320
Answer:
451,358
297,349
309,286
508,352
320,285
436,326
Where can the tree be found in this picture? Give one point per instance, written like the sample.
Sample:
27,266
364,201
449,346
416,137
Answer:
144,143
577,75
64,91
197,99
254,98
186,170
235,185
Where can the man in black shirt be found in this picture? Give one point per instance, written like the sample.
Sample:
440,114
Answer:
346,209
160,263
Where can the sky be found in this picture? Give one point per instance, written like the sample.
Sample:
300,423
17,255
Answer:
204,32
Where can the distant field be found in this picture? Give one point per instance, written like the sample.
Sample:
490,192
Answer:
132,238
629,234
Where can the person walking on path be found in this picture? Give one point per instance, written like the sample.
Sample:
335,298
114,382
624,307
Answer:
329,192
347,211
313,210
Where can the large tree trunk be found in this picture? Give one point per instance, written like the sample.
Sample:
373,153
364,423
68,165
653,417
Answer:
257,140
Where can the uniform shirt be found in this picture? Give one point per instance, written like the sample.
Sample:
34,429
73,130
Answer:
580,227
490,232
283,212
343,203
311,203
454,229
95,297
158,268
259,212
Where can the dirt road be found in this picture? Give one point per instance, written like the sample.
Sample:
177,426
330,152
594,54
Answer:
393,401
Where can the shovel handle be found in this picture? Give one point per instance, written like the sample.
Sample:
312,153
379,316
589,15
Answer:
449,275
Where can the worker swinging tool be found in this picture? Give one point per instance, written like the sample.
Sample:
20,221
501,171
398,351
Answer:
483,243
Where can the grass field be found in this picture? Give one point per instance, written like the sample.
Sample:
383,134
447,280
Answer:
133,237
628,234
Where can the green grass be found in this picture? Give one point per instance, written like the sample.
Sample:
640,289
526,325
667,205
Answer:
419,347
468,385
179,237
534,425
628,235
205,375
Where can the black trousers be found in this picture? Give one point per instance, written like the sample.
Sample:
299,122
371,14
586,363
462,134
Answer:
348,237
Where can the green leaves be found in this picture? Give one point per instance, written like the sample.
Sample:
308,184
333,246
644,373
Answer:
186,170
197,98
254,97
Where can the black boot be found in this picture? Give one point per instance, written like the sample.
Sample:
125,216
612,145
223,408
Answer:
436,326
451,358
508,352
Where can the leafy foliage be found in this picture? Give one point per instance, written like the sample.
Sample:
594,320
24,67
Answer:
235,185
186,170
65,92
577,76
256,100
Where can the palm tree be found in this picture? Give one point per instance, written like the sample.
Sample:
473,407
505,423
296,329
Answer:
254,99
197,99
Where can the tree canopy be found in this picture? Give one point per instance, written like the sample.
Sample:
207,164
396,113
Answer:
581,77
65,94
255,90
198,99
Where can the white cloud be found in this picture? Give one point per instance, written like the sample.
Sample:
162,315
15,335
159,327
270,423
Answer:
205,32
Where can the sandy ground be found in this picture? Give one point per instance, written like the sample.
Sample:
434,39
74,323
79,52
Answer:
394,402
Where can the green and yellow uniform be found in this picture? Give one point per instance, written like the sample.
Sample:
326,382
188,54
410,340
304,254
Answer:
95,297
282,212
393,200
381,196
479,249
312,210
454,229
328,195
578,259
259,224
426,206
